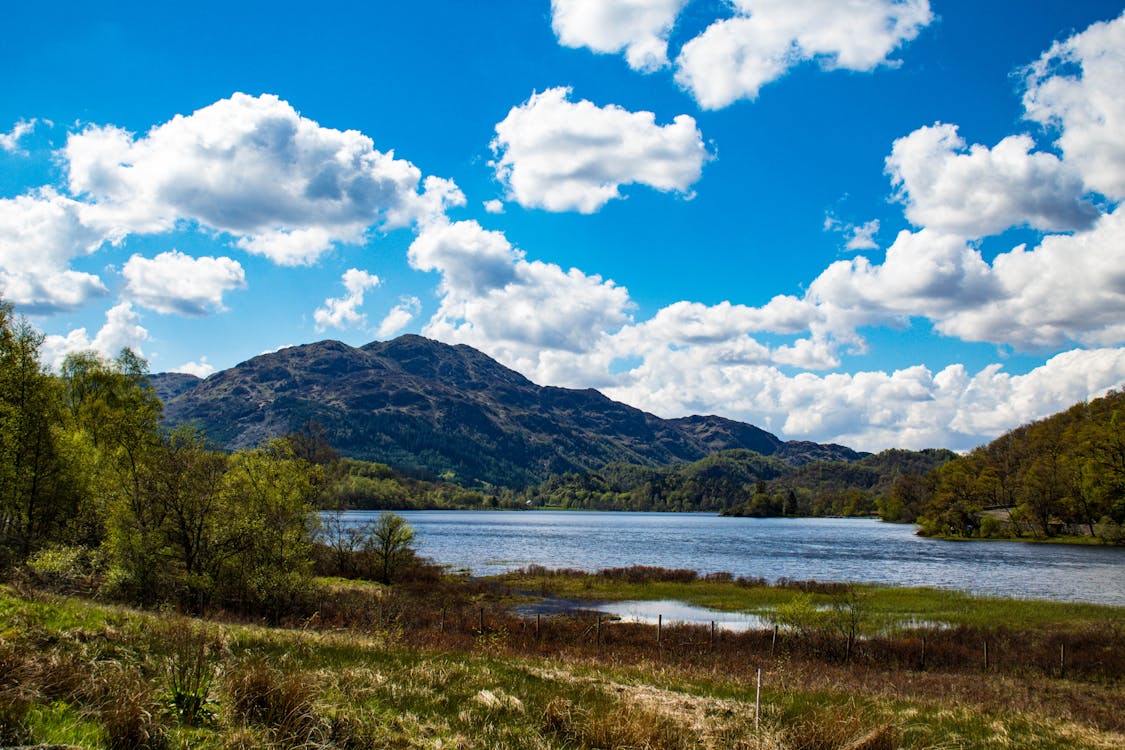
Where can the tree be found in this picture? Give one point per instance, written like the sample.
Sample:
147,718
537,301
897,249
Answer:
390,543
36,499
270,497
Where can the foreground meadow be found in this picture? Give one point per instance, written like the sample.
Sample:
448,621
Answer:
444,663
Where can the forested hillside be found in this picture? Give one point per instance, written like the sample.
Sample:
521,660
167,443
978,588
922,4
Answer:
1063,475
742,482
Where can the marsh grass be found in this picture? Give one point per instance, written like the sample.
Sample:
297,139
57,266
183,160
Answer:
355,676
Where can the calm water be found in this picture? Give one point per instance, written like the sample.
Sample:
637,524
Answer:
819,548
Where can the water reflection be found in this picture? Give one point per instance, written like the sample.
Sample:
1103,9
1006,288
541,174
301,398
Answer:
672,612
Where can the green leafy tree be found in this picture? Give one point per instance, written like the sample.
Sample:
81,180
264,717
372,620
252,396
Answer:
270,497
390,543
37,493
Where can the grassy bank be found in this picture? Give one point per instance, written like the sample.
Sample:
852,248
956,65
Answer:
883,604
379,667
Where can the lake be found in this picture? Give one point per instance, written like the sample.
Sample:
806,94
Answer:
825,549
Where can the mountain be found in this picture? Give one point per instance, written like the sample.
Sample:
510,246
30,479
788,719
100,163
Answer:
439,410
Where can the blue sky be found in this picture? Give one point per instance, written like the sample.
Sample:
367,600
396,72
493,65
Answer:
882,222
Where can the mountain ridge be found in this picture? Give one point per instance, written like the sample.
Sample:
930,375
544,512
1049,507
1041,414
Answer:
448,410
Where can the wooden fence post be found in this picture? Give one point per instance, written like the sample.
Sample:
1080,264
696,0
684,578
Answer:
773,641
442,626
758,701
599,637
923,650
659,628
481,620
536,626
986,653
711,645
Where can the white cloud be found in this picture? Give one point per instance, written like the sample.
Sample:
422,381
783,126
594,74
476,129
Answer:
977,191
520,310
122,329
1068,288
639,27
254,168
173,282
911,408
859,236
10,141
1088,109
734,57
40,234
343,312
561,155
494,206
200,369
399,317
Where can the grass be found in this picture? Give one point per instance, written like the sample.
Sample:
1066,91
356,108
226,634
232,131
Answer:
884,603
402,682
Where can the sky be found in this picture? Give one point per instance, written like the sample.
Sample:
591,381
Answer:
883,223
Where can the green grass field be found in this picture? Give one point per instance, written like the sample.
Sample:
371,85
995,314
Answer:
93,675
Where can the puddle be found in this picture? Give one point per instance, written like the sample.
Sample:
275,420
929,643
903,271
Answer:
678,613
670,612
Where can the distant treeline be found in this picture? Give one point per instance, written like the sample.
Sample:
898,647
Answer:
742,482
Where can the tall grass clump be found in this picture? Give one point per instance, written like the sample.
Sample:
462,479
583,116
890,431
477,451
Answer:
128,710
190,653
282,703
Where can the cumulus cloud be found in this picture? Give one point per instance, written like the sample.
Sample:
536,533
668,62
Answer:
912,407
200,369
560,155
173,282
494,206
122,329
10,141
40,234
1068,288
1075,87
639,27
343,312
493,298
734,57
399,317
253,167
977,191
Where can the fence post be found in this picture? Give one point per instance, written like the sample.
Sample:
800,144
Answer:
758,701
1062,657
481,620
442,626
773,641
986,653
659,628
711,645
599,638
923,650
536,626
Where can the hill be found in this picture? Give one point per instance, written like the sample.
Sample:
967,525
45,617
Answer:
1059,476
743,482
437,410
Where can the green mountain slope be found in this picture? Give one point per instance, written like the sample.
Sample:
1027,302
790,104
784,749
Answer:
450,411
